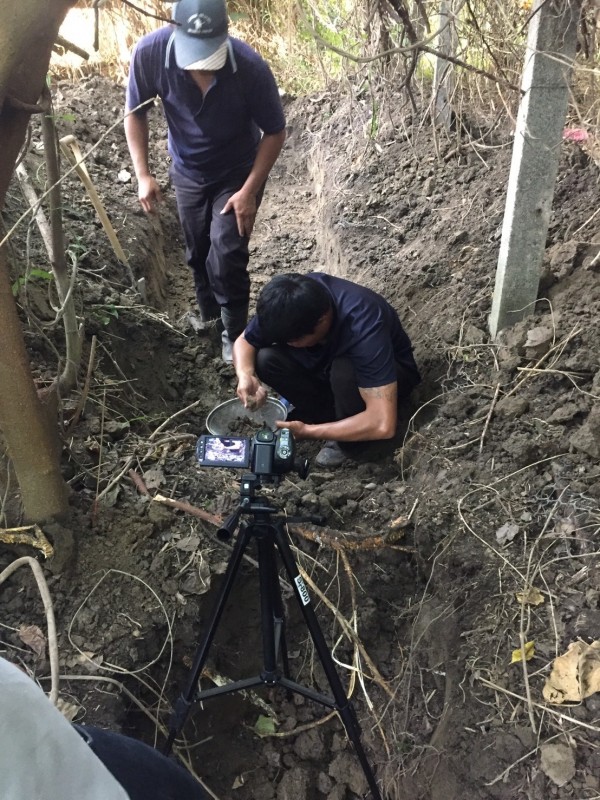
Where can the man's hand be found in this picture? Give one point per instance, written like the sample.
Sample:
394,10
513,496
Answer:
298,428
149,193
243,204
251,392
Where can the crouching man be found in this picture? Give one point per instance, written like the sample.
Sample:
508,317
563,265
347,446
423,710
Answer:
336,351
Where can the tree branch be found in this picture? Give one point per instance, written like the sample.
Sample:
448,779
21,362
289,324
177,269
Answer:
64,43
422,46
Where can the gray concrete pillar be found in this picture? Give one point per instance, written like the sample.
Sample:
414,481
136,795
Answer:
551,44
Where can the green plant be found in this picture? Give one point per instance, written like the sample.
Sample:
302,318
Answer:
77,249
23,280
104,313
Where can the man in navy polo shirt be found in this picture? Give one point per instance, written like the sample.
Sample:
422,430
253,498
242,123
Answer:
336,351
226,129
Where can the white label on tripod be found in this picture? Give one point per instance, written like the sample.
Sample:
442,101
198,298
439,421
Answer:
302,590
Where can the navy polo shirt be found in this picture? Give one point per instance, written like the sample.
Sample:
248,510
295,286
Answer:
365,329
218,134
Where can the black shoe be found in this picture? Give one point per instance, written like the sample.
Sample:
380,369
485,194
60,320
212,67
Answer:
226,349
201,325
330,455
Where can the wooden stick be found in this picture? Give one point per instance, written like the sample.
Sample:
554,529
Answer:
336,540
70,148
62,42
139,482
190,509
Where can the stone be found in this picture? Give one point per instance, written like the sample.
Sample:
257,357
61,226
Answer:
587,437
296,784
345,769
512,407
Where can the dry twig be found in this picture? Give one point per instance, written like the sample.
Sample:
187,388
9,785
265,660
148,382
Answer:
489,416
50,621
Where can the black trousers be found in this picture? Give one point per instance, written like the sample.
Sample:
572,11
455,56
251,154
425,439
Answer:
318,396
216,253
143,772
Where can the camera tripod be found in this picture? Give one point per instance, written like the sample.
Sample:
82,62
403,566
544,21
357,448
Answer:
268,531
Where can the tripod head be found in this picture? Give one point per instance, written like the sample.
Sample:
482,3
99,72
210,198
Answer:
258,507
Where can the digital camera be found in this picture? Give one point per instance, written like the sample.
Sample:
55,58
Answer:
268,454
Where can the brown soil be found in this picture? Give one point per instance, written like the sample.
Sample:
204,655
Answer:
244,426
500,437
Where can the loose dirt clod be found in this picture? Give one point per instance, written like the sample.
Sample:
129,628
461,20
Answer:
245,426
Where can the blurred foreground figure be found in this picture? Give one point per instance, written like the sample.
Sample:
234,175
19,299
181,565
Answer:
44,757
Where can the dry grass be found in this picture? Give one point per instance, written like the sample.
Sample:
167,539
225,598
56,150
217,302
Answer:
312,43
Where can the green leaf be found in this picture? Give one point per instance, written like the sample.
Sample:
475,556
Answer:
33,273
41,273
104,313
265,726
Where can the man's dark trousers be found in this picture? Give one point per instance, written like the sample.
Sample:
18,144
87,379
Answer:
215,251
142,771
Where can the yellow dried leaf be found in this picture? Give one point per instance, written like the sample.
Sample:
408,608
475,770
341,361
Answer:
68,709
399,522
575,674
517,655
532,596
33,637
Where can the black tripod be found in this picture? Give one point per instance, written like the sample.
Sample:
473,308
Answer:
270,535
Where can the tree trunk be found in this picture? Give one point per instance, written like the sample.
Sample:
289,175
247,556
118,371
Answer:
28,31
27,431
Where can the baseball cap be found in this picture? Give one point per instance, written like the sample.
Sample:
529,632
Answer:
201,34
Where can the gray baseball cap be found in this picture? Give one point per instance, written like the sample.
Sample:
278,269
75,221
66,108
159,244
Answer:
201,32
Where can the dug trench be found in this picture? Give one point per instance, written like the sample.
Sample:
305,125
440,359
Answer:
490,487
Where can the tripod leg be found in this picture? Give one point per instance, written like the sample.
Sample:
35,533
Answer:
272,611
184,702
280,639
343,705
266,574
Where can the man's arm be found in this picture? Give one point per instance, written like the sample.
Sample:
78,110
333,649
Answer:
136,133
249,389
377,421
243,202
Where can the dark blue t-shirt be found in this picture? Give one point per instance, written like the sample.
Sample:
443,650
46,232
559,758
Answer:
213,136
365,329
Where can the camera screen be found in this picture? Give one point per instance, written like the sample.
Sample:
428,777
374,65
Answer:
224,451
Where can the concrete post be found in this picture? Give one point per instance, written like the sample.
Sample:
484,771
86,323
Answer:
443,71
551,44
